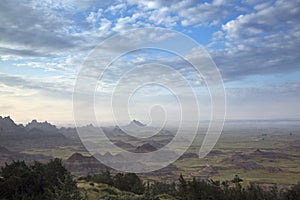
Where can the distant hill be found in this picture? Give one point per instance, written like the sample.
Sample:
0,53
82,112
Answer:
147,147
8,156
33,135
124,145
136,123
69,133
4,150
44,126
8,127
83,165
17,139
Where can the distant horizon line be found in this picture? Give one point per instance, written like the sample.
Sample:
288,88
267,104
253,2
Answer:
85,123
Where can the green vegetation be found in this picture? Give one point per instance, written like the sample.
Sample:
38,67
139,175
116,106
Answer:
185,189
50,181
282,168
126,182
97,191
62,152
232,155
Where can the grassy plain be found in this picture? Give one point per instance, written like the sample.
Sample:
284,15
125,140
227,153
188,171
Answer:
230,156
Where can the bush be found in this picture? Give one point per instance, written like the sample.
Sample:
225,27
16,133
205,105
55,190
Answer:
126,182
37,181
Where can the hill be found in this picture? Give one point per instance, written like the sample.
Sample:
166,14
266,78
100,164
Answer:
83,165
19,138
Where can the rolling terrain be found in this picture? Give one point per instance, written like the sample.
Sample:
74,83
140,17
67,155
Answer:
264,154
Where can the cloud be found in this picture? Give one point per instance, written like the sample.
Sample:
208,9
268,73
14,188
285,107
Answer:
186,12
67,65
94,16
250,38
203,14
41,29
263,42
54,87
10,53
26,98
117,8
26,31
66,5
277,101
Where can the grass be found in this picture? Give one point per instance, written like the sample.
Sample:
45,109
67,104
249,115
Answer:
228,144
63,152
259,176
97,191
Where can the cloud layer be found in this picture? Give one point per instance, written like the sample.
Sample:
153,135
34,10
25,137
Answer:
255,44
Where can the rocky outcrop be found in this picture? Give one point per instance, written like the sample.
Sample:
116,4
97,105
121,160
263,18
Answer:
145,148
188,155
8,156
70,133
244,161
114,131
136,123
269,154
44,126
124,145
9,128
34,135
83,165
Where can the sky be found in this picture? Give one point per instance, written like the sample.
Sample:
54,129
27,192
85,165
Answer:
254,44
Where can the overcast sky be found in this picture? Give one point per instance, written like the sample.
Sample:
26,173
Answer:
255,45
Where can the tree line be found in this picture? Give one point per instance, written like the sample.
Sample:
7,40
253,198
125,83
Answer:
195,189
52,181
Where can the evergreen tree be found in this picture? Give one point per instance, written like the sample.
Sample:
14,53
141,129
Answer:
38,181
182,188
